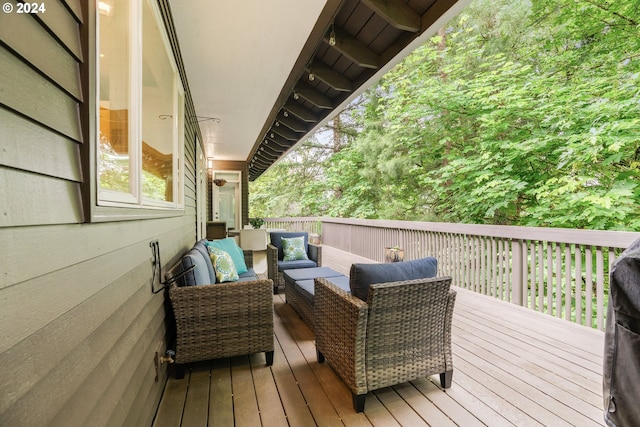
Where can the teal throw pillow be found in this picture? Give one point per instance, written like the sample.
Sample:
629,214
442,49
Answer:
293,248
231,247
223,265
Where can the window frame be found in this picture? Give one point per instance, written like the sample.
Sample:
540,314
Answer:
114,205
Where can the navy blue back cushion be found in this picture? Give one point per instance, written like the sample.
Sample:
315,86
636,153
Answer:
276,240
200,247
200,274
364,275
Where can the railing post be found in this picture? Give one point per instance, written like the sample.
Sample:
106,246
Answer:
516,271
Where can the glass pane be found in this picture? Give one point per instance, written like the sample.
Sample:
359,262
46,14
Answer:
229,177
158,111
227,205
114,163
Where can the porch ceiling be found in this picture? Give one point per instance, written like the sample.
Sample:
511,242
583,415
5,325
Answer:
265,75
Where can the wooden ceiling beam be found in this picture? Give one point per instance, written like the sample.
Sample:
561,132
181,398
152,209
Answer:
396,13
271,155
300,111
271,148
266,153
331,77
354,49
292,122
285,132
260,164
309,93
434,13
281,142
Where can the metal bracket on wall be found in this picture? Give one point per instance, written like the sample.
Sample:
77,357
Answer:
156,266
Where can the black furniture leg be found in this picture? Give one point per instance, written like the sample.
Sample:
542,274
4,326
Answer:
319,356
358,402
445,379
178,371
269,356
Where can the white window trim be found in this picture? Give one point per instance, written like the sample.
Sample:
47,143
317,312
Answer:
135,199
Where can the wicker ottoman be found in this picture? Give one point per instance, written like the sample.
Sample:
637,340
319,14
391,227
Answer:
299,283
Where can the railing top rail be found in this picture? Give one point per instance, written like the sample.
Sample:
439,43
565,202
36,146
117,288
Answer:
294,219
612,239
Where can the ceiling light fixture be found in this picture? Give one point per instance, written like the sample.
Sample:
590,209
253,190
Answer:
285,113
296,96
332,36
309,69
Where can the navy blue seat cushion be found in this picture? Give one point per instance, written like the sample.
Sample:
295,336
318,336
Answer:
247,276
293,265
202,248
364,275
276,240
306,288
200,274
309,273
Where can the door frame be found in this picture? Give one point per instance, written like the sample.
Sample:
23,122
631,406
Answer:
238,196
201,192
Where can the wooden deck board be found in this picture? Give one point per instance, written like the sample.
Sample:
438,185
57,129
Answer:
271,410
196,408
512,367
221,397
245,404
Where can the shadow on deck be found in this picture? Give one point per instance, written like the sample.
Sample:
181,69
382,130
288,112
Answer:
512,367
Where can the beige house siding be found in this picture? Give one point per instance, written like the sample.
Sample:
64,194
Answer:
79,325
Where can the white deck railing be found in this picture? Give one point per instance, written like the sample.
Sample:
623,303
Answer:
561,272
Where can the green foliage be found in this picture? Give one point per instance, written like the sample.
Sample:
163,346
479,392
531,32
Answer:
256,222
517,112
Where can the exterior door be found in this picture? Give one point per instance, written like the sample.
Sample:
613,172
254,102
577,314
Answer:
226,198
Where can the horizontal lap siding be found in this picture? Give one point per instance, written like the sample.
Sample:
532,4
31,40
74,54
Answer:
40,135
79,324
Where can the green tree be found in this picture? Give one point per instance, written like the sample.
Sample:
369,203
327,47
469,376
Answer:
516,112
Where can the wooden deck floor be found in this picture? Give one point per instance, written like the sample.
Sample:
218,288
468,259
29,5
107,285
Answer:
512,367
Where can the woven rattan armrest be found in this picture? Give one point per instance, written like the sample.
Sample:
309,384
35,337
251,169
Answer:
248,258
272,268
222,320
315,253
341,328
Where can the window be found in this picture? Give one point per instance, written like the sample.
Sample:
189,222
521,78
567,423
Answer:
141,109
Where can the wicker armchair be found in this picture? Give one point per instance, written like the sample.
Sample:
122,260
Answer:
402,332
275,264
221,320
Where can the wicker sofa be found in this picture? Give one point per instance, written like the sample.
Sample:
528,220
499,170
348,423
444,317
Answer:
400,333
275,254
216,320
